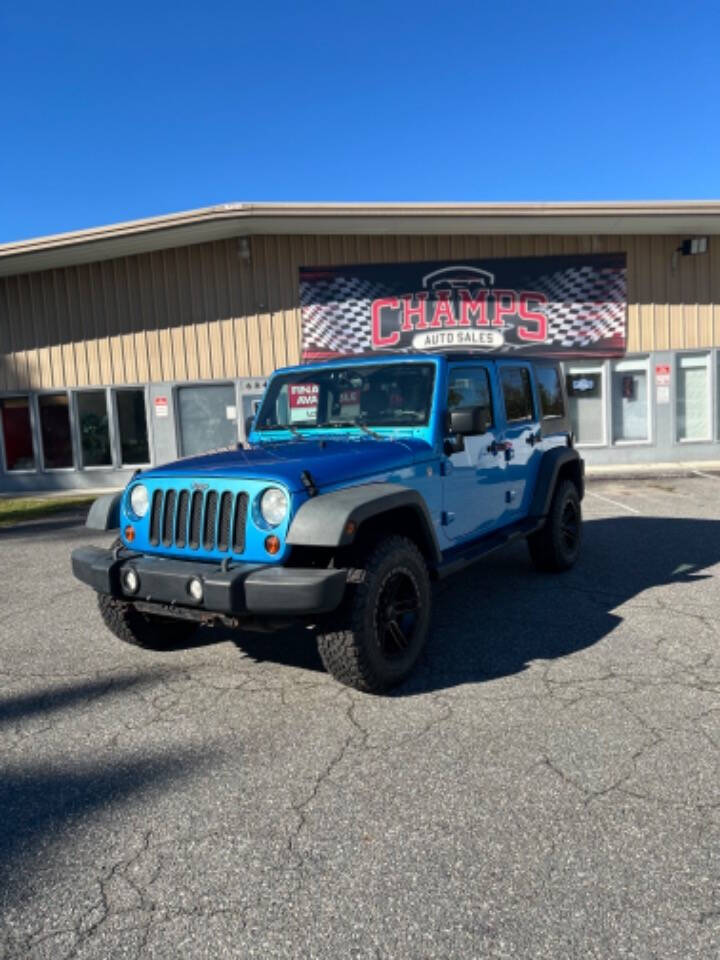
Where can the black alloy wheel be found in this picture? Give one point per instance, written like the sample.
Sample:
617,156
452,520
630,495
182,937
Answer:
396,614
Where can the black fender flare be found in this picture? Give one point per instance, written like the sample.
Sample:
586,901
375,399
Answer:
333,519
104,513
552,463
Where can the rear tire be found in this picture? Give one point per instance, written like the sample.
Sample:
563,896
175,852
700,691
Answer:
140,629
383,624
556,546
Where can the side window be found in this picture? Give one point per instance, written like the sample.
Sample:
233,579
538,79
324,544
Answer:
517,393
549,391
470,387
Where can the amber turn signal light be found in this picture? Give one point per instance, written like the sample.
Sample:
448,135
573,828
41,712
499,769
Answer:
129,534
272,544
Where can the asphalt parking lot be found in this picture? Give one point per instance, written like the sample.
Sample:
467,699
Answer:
547,785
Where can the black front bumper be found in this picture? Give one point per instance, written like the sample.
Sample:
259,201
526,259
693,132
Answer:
244,589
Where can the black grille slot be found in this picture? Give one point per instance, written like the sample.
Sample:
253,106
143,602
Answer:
168,518
182,519
155,511
210,518
241,504
226,505
195,519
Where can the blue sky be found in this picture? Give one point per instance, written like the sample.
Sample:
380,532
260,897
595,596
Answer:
117,111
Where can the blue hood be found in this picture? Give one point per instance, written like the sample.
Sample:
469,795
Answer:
330,461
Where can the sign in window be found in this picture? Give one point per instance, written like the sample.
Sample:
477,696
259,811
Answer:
17,433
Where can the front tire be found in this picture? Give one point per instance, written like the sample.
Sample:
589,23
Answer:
556,546
140,629
384,621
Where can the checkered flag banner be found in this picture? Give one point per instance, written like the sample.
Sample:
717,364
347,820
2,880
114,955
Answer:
569,305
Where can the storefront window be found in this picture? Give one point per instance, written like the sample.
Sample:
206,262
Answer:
55,430
630,401
208,418
693,397
17,433
94,431
585,400
132,426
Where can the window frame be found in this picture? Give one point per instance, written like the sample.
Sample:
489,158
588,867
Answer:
74,428
519,421
116,439
34,427
558,370
76,398
174,392
707,355
473,367
629,365
600,366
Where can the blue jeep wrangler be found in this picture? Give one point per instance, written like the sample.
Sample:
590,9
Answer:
364,479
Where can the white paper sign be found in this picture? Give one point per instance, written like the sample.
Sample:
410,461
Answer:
231,413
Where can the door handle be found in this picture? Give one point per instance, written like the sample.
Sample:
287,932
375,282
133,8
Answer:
533,438
504,446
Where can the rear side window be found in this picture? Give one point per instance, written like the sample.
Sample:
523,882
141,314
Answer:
470,387
517,393
549,391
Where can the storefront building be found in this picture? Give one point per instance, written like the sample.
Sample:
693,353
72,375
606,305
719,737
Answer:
137,343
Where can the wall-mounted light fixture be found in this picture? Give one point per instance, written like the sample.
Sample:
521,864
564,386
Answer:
692,246
689,248
244,248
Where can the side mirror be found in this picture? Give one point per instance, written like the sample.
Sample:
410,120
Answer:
469,421
249,421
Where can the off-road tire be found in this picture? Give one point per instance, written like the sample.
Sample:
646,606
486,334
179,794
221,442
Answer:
140,629
556,546
354,649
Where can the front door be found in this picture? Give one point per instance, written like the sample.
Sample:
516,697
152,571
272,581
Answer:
522,437
473,484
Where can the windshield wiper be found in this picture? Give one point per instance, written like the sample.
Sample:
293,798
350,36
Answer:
352,423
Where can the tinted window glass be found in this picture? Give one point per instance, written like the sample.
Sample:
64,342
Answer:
55,430
17,433
516,393
132,425
550,391
382,395
94,433
470,387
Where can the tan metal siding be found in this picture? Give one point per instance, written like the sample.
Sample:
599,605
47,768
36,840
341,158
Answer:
204,312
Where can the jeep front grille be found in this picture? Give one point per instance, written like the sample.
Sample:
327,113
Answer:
215,521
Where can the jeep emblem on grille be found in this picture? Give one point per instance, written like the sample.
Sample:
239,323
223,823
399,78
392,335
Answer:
202,487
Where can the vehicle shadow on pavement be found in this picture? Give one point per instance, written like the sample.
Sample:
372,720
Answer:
499,615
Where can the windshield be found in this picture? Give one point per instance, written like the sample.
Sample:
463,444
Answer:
382,395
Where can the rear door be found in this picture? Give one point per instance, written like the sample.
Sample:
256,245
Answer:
473,483
522,436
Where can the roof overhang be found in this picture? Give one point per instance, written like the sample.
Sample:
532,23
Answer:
686,218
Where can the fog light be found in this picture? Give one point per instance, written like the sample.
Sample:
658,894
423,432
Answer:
131,580
129,534
195,589
272,544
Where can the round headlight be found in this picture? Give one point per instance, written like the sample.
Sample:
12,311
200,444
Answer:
273,506
139,500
